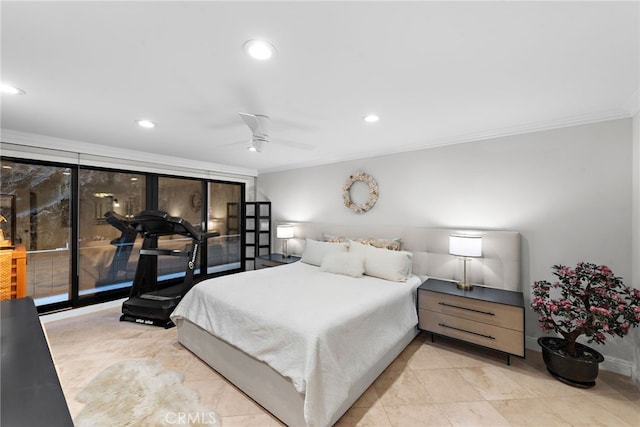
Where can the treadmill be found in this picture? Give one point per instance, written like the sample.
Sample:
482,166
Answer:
147,302
123,244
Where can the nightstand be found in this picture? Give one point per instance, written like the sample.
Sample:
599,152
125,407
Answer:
487,317
273,260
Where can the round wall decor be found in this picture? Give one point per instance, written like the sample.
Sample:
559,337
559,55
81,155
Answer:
373,192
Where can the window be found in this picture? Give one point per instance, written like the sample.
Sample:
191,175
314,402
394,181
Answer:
42,225
108,256
184,198
224,217
77,254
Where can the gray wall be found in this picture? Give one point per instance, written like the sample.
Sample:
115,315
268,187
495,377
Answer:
567,191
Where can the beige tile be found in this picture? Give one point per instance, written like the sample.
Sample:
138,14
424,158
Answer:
233,402
198,370
493,384
79,373
528,412
618,382
581,411
540,383
624,408
364,417
400,388
73,404
429,357
402,361
210,391
368,399
633,398
256,420
462,355
426,378
416,416
447,385
477,414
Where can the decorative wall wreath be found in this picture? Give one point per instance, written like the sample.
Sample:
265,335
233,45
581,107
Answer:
373,192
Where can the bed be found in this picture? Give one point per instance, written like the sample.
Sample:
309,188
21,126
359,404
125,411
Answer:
305,340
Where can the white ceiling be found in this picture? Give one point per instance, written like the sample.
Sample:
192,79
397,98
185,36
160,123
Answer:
436,72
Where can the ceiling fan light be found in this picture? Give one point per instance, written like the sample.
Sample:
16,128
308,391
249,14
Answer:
259,49
371,118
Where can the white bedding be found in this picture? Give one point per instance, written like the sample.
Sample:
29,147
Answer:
321,330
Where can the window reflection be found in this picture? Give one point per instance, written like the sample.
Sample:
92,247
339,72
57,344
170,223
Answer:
108,256
225,202
42,226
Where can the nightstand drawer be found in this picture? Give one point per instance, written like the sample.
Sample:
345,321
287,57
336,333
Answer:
498,338
491,313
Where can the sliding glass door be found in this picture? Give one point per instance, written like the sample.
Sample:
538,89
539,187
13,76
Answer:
77,253
107,252
42,226
209,206
224,213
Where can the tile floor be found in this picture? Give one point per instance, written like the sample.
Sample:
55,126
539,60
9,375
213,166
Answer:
430,384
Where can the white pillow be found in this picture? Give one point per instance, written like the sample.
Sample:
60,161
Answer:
343,263
383,263
314,250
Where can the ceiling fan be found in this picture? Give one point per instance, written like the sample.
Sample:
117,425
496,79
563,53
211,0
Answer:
259,125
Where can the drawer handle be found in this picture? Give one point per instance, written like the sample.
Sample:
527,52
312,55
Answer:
468,332
468,309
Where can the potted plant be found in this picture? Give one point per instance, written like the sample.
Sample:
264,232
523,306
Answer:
586,300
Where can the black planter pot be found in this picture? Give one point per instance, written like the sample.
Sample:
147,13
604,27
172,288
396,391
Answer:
579,371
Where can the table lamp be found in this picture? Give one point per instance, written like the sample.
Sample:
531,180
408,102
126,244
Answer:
465,246
284,232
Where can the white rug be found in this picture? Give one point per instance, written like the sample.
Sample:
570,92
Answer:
141,393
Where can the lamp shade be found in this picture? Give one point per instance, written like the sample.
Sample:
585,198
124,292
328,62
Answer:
464,245
284,231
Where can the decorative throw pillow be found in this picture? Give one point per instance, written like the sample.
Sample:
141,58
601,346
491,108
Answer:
376,242
314,251
394,244
335,239
383,263
345,263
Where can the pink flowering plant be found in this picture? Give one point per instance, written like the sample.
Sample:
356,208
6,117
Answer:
588,299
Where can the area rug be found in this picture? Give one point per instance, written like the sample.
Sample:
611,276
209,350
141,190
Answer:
141,393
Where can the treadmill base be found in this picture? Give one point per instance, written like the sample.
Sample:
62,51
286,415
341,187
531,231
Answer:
146,321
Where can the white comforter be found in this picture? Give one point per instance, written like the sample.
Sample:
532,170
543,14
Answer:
321,330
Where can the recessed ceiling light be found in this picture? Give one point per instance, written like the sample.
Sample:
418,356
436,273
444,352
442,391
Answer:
5,88
371,118
259,49
146,124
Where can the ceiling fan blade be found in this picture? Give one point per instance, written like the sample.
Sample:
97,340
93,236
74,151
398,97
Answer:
252,122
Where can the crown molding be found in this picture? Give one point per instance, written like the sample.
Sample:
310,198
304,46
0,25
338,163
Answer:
633,104
578,120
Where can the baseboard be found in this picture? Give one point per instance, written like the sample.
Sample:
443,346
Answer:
611,364
45,318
